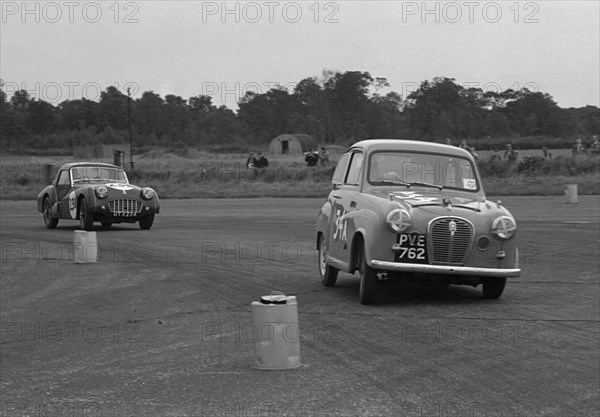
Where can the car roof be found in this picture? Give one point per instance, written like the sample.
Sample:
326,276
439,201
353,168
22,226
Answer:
371,145
87,164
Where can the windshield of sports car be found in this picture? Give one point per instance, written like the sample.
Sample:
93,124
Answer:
98,174
422,169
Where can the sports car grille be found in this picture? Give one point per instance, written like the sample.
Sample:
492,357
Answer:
126,207
450,240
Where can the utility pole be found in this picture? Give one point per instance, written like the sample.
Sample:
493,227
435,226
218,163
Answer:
130,136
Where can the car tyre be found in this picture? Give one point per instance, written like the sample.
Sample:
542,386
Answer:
493,287
146,222
328,273
368,280
106,223
49,221
86,220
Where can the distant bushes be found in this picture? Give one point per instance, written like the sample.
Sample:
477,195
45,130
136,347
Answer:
538,166
229,172
524,142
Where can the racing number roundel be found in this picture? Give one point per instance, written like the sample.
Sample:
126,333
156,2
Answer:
73,205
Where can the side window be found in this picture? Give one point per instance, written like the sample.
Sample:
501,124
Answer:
356,164
340,169
63,178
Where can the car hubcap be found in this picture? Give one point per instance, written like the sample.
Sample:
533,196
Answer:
322,257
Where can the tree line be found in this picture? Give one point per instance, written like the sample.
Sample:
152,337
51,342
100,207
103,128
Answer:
334,108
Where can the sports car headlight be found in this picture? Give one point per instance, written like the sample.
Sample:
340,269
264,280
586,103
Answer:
504,227
148,193
101,192
398,220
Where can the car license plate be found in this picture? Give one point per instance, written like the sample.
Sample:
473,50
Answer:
411,248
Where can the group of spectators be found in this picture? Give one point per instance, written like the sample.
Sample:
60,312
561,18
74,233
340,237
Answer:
258,161
314,158
512,155
579,148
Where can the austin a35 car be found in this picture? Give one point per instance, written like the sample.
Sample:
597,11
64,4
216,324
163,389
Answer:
96,192
416,211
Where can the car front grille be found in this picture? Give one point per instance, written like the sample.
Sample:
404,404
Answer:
450,241
125,207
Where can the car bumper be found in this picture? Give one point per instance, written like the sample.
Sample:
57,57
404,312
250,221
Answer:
105,212
445,269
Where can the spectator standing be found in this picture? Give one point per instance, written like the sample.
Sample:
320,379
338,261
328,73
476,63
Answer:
595,147
251,161
547,153
511,154
495,156
262,161
311,158
323,157
578,148
470,149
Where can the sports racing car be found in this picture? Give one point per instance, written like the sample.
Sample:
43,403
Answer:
96,192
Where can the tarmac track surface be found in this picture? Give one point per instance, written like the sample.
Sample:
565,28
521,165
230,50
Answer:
161,325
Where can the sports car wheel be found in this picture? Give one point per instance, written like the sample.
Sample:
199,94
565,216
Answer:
493,287
368,280
328,273
86,220
49,221
146,222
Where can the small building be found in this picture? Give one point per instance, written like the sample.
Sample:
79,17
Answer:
292,143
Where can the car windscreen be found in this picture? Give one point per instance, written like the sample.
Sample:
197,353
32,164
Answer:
98,173
426,169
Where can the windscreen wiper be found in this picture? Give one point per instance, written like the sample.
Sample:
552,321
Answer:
426,184
405,184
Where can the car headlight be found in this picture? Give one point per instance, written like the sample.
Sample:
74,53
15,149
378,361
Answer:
101,192
148,193
504,227
398,220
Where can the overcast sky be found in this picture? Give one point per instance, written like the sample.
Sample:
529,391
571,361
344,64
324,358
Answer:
68,50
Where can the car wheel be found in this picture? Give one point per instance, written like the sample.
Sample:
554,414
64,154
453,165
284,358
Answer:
493,287
106,223
86,220
146,222
368,280
49,221
328,273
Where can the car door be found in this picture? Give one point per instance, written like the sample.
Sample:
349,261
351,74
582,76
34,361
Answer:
63,188
337,180
344,201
